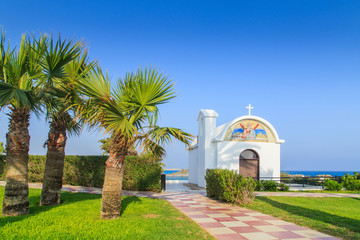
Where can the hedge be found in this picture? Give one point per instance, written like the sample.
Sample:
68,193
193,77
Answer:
228,186
88,171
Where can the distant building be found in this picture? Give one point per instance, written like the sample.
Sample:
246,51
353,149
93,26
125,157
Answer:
248,144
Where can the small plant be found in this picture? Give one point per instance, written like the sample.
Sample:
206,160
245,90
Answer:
356,185
332,185
229,186
270,185
259,186
2,150
350,182
283,187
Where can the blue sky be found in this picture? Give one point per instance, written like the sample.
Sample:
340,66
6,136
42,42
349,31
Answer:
296,62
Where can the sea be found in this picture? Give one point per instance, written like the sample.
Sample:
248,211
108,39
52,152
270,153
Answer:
315,173
305,173
170,171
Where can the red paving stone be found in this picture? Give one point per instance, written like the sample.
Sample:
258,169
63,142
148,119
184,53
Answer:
229,237
225,219
292,227
256,223
237,214
245,229
211,225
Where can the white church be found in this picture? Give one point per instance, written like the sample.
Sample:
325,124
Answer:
248,144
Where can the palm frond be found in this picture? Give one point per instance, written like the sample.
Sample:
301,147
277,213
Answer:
57,54
17,85
156,137
140,94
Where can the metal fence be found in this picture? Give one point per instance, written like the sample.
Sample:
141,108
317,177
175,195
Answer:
177,177
301,181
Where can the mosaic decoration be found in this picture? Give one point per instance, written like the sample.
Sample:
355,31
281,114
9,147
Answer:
249,130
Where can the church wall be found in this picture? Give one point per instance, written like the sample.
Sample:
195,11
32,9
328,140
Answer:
269,155
193,171
206,148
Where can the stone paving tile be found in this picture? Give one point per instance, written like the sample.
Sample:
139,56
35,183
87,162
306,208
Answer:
270,228
258,236
257,223
234,224
219,231
286,235
278,222
229,237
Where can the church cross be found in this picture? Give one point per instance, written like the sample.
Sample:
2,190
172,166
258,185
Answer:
250,107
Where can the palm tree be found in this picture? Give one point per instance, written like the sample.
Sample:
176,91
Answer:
129,113
19,93
63,67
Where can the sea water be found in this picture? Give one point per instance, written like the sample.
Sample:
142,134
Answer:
315,173
170,171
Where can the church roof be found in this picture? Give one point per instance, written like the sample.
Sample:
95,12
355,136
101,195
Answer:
207,113
222,130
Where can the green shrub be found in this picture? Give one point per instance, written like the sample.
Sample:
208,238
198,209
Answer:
215,183
2,167
332,185
283,187
140,175
229,186
351,182
269,185
356,185
259,186
88,171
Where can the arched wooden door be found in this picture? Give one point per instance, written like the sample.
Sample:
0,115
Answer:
249,164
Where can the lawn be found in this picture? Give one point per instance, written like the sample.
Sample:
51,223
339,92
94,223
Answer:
339,217
78,217
328,191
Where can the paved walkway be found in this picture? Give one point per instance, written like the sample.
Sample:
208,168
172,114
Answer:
226,221
221,220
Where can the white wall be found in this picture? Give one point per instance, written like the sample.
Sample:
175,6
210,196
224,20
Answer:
269,156
193,171
206,148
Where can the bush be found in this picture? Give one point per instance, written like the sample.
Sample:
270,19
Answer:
140,175
88,171
351,182
332,185
2,166
356,185
259,186
283,187
269,185
228,186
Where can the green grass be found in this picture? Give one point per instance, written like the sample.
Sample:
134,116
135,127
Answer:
78,217
328,191
338,217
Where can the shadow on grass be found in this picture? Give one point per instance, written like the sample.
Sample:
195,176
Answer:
339,221
127,201
34,199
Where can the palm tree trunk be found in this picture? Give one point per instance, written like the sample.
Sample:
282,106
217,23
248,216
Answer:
16,200
112,189
54,167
